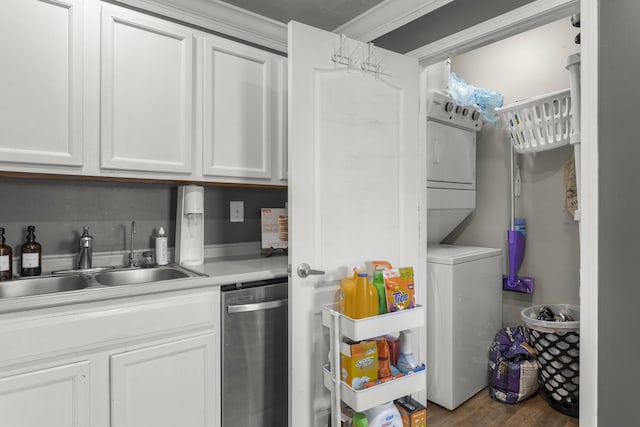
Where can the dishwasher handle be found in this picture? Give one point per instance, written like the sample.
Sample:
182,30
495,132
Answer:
243,308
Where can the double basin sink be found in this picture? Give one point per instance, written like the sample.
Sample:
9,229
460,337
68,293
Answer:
73,280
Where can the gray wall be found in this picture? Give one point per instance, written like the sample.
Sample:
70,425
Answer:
449,19
60,208
526,65
619,228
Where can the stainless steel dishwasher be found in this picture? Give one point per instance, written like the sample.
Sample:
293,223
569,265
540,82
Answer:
254,354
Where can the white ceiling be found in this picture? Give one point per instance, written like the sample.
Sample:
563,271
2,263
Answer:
325,14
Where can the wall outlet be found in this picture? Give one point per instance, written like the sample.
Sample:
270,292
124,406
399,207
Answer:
236,211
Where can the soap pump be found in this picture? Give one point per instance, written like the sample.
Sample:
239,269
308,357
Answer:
406,360
162,257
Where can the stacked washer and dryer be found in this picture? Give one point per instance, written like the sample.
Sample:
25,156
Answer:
464,283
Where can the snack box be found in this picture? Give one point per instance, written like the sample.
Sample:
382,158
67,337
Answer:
413,414
358,363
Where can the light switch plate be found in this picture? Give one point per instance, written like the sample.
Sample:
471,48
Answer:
236,211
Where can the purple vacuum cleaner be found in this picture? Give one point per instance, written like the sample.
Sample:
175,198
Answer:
517,243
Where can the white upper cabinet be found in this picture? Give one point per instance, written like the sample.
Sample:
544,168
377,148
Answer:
237,135
96,89
280,147
146,94
41,84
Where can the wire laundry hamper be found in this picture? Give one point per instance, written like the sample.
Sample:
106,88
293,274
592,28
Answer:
558,347
540,123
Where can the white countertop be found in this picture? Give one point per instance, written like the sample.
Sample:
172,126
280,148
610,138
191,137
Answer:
242,268
214,272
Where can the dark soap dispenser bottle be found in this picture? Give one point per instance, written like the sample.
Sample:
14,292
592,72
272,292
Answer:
31,255
6,258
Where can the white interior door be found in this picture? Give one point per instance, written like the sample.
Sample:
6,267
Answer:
355,187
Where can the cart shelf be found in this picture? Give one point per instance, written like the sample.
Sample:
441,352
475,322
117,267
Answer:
361,400
374,326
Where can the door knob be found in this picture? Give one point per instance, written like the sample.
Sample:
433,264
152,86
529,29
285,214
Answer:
305,270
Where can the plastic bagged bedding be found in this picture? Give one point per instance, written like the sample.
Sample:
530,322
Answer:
513,370
465,94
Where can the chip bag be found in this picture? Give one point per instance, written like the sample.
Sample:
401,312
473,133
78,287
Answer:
400,288
384,365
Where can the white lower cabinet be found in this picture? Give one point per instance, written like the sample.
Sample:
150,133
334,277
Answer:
52,397
142,361
165,385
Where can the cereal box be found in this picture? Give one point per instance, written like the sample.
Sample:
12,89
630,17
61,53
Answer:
359,363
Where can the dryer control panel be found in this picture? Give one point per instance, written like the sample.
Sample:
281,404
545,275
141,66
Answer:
443,108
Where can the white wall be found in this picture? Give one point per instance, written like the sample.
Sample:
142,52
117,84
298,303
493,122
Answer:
522,66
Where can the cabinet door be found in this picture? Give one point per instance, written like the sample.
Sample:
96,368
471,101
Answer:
41,82
54,397
360,133
147,93
237,110
167,385
280,122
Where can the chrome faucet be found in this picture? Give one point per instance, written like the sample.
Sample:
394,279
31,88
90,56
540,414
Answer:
132,257
85,257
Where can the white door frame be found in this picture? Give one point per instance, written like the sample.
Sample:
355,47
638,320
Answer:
529,16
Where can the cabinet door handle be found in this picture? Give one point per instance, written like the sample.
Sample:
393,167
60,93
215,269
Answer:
243,308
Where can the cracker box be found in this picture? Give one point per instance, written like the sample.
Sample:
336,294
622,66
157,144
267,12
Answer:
274,225
413,414
359,363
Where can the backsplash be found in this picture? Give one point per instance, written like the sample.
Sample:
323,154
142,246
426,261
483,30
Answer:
60,208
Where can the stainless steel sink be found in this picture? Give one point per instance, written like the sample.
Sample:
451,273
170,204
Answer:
41,285
139,275
72,280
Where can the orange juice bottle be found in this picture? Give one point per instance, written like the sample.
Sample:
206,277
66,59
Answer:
346,296
365,298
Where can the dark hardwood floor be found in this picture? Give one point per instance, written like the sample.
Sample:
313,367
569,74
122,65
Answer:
482,411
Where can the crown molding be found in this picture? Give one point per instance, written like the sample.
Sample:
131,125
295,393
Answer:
386,17
220,17
524,18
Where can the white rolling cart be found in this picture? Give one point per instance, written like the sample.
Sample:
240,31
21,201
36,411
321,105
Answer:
361,329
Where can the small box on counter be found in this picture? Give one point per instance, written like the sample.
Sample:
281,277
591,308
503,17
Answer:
359,363
413,414
274,224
